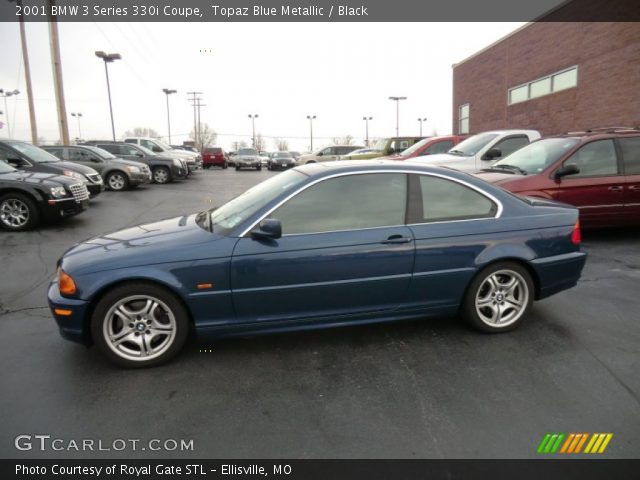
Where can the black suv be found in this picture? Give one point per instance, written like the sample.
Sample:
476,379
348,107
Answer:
27,198
163,169
30,158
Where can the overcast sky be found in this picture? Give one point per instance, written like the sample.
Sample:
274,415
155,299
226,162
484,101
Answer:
282,72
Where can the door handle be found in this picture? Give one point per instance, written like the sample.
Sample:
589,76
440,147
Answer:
616,188
395,239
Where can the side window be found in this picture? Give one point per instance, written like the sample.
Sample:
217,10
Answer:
631,155
328,151
511,144
346,203
5,154
113,149
58,152
438,199
440,147
76,155
595,159
343,150
146,143
130,140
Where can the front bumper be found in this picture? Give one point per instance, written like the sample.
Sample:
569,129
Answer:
62,208
95,188
178,172
248,164
72,327
140,178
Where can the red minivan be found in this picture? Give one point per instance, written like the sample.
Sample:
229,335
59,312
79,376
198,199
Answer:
428,146
214,157
597,171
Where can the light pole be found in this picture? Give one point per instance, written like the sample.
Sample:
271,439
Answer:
253,129
167,93
311,118
6,108
397,100
78,115
421,120
366,123
108,58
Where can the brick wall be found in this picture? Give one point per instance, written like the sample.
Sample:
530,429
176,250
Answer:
608,91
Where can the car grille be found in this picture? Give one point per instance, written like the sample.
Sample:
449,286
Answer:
80,192
94,177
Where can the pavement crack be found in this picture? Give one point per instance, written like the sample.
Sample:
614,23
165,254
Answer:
7,311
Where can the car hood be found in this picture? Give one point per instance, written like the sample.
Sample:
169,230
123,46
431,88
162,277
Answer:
181,154
247,157
34,178
74,167
441,158
125,162
498,178
166,241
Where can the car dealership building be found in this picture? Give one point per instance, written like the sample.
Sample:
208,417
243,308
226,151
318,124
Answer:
554,77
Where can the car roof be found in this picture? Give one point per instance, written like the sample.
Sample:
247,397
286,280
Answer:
508,130
601,133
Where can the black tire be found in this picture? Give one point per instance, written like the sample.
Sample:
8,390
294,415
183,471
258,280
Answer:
258,168
225,165
26,204
237,168
119,179
510,307
102,319
161,175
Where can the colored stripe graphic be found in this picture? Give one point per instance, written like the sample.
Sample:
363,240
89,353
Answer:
573,443
598,442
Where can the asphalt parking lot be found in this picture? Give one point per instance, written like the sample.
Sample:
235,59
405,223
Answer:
429,389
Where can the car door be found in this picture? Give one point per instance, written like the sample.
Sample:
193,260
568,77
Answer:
452,223
328,154
345,250
629,149
598,189
82,157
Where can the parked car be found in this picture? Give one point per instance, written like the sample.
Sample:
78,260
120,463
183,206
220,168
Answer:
598,172
315,247
214,157
264,157
164,169
248,158
281,160
295,155
327,154
29,198
362,150
27,157
232,158
118,174
187,148
385,147
192,159
482,150
428,146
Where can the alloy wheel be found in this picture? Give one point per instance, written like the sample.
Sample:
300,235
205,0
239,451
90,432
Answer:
116,181
14,213
502,298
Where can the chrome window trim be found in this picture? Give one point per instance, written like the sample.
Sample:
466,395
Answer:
497,202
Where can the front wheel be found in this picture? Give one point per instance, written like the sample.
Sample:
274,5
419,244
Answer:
139,325
499,298
117,181
18,212
161,175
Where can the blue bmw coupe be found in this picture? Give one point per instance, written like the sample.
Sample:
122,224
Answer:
321,245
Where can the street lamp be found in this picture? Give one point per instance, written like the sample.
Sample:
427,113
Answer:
253,129
6,108
421,120
167,93
397,100
78,115
366,123
108,58
311,118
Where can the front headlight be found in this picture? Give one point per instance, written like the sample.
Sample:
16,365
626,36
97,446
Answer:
58,192
133,169
75,175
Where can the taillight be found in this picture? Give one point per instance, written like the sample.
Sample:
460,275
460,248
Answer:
576,237
65,283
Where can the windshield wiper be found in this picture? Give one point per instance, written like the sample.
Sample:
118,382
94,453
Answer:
458,152
511,168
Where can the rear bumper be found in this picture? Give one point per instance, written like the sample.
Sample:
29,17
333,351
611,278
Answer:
72,327
559,272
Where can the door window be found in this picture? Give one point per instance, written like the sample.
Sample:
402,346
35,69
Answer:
631,155
76,155
349,202
327,151
511,144
440,147
438,199
595,159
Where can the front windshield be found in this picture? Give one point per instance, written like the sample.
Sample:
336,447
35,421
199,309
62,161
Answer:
380,144
163,145
101,153
6,168
145,150
415,147
224,219
247,151
33,153
537,156
473,145
282,155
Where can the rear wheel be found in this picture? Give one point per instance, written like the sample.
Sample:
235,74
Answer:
139,325
18,212
499,298
117,181
161,175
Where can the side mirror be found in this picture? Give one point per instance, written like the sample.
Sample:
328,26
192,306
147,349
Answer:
157,149
95,160
269,228
15,162
320,154
139,155
568,169
491,154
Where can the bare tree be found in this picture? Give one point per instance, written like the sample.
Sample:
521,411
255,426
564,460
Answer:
346,140
259,142
142,132
281,144
207,137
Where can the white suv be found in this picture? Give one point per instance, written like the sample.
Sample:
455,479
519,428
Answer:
193,160
481,150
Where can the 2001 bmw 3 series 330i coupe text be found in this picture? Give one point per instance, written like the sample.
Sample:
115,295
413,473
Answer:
317,246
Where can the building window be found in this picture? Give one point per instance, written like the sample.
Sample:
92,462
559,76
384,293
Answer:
463,122
544,86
